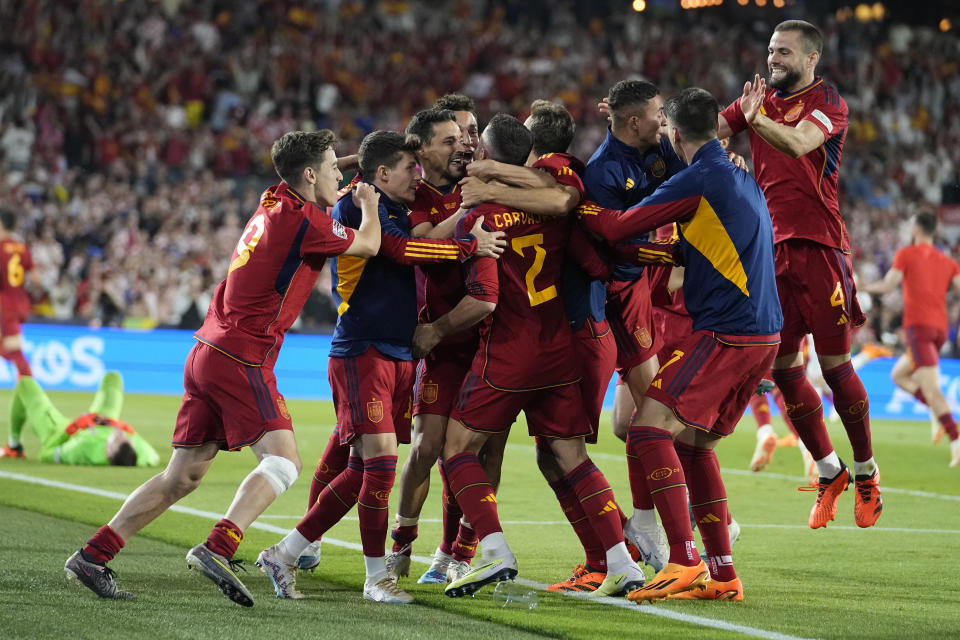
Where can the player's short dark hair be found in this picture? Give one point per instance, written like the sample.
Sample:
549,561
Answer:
631,93
295,151
507,140
125,456
927,221
421,125
694,112
8,219
810,35
552,127
385,149
456,102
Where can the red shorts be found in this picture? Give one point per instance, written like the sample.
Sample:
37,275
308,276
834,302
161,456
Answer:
438,383
555,412
372,394
710,378
817,295
10,322
630,314
673,328
227,402
597,355
923,345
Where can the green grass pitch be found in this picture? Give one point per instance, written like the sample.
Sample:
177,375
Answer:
895,580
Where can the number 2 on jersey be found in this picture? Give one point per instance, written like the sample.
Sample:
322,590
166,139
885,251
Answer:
534,240
248,241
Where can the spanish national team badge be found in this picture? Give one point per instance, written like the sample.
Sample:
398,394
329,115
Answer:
643,337
282,406
375,411
659,167
429,393
794,113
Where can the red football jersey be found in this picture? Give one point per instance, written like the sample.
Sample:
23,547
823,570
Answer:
431,204
273,269
565,168
15,263
801,193
526,343
927,274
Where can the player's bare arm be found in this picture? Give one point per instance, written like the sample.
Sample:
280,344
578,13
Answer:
468,312
349,163
366,239
490,244
890,282
557,200
955,283
514,175
445,229
793,141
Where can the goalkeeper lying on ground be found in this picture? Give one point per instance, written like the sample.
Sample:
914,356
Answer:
97,437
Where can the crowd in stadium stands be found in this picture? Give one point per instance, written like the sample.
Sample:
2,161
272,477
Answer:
135,136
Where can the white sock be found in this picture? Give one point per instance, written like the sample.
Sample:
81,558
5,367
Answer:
292,546
954,445
765,431
495,545
403,521
865,468
860,359
376,568
645,519
13,444
618,558
829,466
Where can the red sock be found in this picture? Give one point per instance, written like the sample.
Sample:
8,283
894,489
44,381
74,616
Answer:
19,361
403,535
465,547
598,502
224,538
918,394
103,545
708,499
473,492
668,487
638,484
451,515
573,511
853,407
761,409
373,503
336,499
331,464
782,408
949,426
805,410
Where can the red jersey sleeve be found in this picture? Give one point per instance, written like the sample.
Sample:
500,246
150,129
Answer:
734,117
482,280
324,235
562,168
829,117
582,250
901,260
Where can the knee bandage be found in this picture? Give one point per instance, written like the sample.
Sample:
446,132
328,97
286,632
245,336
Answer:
279,472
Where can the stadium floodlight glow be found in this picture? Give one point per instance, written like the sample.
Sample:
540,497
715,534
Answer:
778,4
761,3
863,13
878,10
639,5
945,25
743,3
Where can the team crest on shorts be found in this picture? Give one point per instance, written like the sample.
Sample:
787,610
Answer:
429,393
282,406
375,411
643,337
659,167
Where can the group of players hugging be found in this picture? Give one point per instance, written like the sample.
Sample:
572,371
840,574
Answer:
481,275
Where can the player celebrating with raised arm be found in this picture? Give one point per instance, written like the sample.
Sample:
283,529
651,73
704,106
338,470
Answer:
927,275
371,365
730,291
231,399
797,129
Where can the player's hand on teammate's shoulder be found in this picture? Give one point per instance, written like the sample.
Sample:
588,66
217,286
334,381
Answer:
752,98
425,338
473,191
365,193
738,160
490,244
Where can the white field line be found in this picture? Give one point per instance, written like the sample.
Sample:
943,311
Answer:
600,455
614,602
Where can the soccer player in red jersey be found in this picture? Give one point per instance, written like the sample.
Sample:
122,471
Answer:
528,318
371,364
729,290
15,264
926,275
231,399
797,129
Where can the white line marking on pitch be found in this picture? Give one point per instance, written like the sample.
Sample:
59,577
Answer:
600,455
615,602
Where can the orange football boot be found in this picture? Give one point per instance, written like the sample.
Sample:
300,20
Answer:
868,503
672,579
583,579
713,590
828,491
